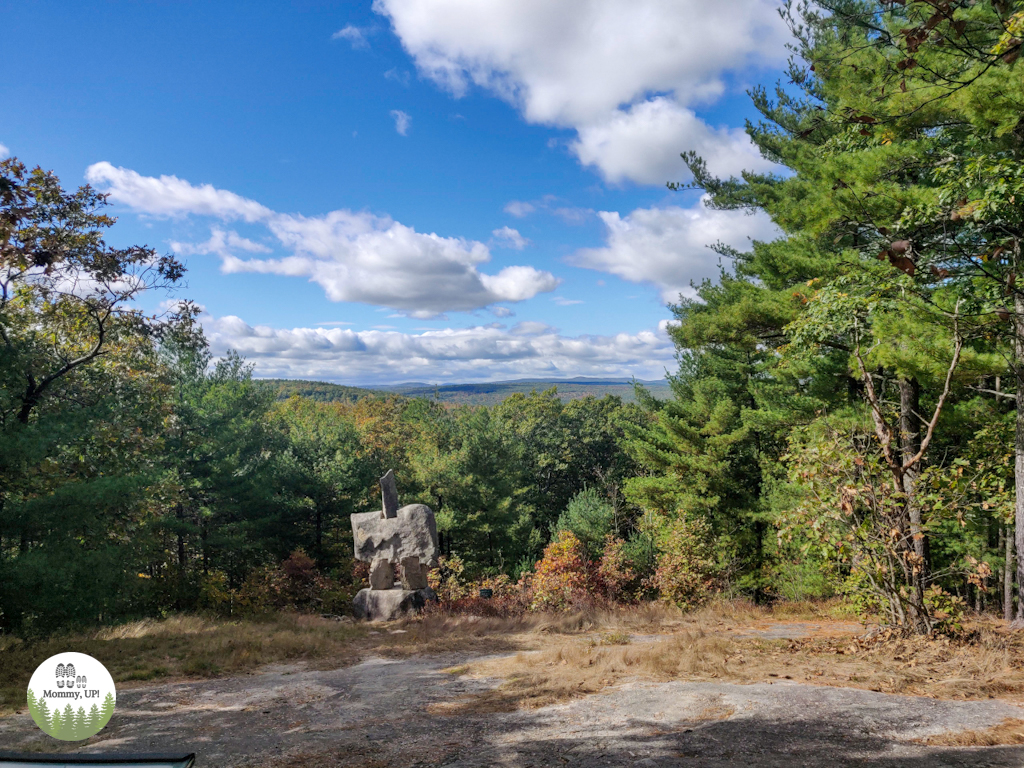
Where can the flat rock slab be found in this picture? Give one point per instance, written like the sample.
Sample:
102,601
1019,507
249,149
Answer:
388,604
380,713
413,533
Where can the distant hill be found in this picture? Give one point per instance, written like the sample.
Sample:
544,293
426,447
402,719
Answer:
493,392
323,391
489,393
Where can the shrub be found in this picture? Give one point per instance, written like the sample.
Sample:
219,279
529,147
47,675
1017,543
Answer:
448,580
501,586
513,604
294,584
564,575
590,518
621,581
687,573
361,573
214,593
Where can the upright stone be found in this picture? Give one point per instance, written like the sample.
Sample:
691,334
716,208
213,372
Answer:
382,575
388,496
414,573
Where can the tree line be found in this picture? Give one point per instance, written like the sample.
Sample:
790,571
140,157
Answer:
845,418
138,475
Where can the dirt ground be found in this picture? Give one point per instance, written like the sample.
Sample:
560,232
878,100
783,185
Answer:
417,711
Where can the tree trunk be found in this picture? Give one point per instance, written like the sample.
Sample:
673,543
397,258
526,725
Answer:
910,444
1018,443
1007,574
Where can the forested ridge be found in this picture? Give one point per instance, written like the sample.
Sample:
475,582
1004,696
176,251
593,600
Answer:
845,419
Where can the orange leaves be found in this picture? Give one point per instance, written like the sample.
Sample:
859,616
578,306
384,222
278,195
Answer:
563,573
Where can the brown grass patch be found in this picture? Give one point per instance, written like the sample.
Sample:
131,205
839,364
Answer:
186,646
559,656
584,666
1010,731
715,644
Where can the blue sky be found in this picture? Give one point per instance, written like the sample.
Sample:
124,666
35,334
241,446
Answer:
429,190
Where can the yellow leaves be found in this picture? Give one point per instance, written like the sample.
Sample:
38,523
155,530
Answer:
965,210
1009,43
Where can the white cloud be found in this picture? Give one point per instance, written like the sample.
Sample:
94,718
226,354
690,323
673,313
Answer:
569,214
4,152
529,349
402,121
643,144
354,35
354,256
171,196
667,247
175,305
564,302
519,209
510,238
577,63
221,243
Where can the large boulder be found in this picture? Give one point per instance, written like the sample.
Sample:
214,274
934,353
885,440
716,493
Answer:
412,533
388,604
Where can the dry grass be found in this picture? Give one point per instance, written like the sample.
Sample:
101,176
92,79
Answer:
716,644
559,656
186,646
1009,731
584,666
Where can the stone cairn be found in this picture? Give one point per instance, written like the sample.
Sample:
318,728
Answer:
405,536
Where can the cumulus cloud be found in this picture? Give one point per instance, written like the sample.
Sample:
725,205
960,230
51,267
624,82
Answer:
221,243
171,196
510,238
402,121
668,247
643,143
354,35
354,256
575,63
379,356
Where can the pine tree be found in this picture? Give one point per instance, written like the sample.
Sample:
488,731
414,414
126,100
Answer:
56,724
107,711
33,705
82,724
42,714
94,720
67,731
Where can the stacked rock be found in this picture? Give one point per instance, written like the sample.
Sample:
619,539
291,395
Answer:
406,537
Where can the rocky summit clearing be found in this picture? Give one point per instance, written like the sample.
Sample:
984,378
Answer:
709,690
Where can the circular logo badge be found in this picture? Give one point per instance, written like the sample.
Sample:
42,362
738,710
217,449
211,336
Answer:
71,696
